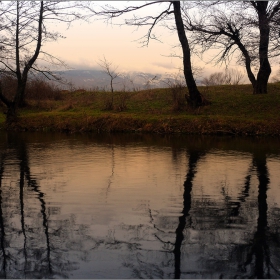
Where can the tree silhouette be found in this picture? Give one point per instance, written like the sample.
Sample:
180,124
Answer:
258,252
40,257
249,29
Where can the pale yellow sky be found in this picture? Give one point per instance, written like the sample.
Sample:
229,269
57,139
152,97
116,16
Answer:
87,43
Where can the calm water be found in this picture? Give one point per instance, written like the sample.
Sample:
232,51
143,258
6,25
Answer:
132,206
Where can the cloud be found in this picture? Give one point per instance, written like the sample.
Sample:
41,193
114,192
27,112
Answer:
82,65
165,65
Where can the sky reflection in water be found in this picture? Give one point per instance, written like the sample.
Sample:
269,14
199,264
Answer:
138,206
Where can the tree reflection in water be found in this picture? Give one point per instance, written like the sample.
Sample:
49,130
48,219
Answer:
202,236
194,157
258,263
25,250
252,260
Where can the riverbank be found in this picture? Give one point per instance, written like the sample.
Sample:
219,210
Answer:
233,110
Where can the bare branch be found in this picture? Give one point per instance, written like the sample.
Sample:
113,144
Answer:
110,70
109,12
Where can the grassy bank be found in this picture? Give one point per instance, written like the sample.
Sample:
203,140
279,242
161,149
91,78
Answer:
234,110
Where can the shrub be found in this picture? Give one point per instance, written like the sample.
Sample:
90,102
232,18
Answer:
9,86
178,91
228,77
39,89
108,102
36,89
122,99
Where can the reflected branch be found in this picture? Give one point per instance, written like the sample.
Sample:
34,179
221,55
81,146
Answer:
112,173
245,192
33,183
152,222
21,186
233,207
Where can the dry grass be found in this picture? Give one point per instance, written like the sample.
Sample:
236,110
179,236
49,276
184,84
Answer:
233,110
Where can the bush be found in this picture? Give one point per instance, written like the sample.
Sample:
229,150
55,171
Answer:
36,89
228,77
178,91
9,86
39,89
122,99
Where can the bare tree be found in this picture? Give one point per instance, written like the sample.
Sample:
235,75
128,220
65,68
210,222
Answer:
25,32
110,70
169,10
248,29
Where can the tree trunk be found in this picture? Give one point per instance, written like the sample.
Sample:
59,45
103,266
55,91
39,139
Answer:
248,61
195,98
11,116
264,69
19,99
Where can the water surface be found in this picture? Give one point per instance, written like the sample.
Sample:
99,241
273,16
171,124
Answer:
138,206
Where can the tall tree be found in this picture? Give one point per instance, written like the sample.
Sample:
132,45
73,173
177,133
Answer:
248,29
24,31
166,11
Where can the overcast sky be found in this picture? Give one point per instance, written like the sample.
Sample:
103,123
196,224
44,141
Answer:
87,43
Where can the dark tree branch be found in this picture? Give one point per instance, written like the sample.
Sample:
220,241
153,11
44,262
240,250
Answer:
48,74
18,73
113,12
10,69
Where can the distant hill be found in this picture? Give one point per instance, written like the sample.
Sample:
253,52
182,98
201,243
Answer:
95,79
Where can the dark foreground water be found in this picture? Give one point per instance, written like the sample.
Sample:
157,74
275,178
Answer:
132,206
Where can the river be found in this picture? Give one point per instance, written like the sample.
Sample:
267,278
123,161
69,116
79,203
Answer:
138,206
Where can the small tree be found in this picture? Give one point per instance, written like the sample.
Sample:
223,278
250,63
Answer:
112,72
